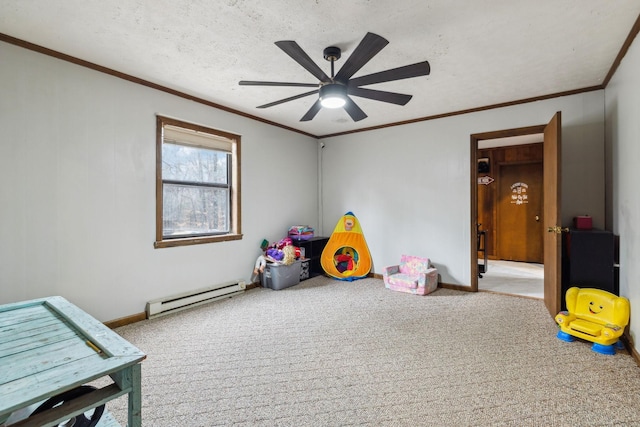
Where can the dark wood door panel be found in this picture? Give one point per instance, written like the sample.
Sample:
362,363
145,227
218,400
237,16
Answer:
519,215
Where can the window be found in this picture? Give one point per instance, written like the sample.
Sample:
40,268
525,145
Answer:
197,184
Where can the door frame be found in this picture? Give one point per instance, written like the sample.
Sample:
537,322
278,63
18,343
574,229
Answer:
529,130
552,143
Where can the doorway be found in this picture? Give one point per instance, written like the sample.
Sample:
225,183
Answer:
510,195
551,204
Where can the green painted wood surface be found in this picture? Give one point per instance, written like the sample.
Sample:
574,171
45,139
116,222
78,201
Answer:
48,346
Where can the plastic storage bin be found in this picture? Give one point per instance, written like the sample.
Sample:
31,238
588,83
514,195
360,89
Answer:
280,276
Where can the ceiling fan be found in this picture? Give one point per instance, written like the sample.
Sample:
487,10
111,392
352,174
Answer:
334,91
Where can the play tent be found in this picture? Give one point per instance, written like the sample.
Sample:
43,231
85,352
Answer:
346,255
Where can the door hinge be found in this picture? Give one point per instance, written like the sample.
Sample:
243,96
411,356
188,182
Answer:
557,229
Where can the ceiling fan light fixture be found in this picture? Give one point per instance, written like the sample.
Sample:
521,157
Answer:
336,90
333,95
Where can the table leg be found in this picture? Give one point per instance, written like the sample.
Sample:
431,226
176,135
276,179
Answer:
129,379
135,397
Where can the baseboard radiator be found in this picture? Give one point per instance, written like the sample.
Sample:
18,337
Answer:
173,303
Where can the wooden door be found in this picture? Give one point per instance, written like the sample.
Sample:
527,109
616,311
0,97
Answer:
552,238
519,212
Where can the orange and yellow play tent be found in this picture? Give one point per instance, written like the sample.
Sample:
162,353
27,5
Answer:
346,255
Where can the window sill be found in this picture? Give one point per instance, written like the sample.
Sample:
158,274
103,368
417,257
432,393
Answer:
195,241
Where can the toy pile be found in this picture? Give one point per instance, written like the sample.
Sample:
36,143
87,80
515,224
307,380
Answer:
282,252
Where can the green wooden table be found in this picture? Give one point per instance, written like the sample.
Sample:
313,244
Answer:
49,346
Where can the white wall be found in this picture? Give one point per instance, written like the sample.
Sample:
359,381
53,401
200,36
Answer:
77,185
622,97
77,189
409,185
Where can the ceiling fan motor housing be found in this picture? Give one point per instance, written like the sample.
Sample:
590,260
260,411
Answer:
333,95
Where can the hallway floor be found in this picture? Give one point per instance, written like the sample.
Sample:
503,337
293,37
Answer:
516,278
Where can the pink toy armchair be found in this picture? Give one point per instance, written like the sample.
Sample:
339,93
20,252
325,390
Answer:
414,275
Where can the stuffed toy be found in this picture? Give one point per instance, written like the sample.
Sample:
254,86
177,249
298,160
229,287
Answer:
275,254
289,255
261,261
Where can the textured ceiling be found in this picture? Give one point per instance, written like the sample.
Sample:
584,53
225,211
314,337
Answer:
481,52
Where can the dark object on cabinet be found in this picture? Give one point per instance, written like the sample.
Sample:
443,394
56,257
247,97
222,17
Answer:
482,248
588,261
312,250
483,165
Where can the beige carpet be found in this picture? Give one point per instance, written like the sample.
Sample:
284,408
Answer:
331,353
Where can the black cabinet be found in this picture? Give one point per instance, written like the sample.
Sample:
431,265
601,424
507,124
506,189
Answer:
312,250
588,261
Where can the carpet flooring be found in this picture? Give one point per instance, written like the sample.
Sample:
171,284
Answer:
331,353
